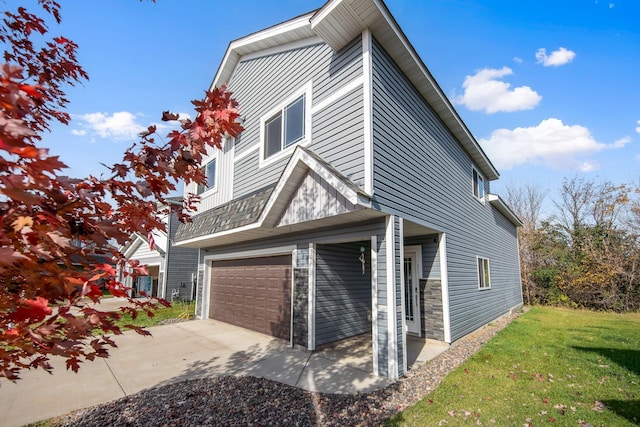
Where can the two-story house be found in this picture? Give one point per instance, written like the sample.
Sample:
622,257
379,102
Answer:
172,270
355,201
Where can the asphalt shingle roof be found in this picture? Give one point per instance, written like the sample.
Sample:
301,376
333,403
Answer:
236,213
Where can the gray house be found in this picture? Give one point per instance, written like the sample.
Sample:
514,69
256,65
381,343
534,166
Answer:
355,201
172,269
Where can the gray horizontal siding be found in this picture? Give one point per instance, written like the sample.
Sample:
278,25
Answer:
398,272
182,265
343,292
262,83
422,171
430,254
338,136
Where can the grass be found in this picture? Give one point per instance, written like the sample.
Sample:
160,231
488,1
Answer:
177,310
550,366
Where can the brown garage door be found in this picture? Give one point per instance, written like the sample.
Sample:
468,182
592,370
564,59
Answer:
254,293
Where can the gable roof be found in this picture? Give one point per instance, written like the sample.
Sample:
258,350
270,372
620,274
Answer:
129,248
337,23
257,214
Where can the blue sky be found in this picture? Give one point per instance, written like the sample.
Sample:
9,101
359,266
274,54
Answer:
550,89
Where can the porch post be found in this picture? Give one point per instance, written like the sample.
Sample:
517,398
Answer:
374,304
311,307
394,308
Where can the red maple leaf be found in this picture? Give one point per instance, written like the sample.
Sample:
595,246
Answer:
31,310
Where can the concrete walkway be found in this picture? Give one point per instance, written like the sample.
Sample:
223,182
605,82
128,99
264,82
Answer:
179,352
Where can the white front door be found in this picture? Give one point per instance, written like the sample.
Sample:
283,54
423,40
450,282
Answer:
411,293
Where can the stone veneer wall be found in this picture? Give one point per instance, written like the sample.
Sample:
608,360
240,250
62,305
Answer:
300,303
431,309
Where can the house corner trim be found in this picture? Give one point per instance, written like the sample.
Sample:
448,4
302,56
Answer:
367,72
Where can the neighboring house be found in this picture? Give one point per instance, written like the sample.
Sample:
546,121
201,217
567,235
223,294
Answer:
355,200
172,269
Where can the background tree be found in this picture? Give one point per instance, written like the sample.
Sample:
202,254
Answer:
526,201
55,229
587,253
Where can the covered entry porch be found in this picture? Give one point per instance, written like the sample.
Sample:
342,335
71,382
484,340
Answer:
378,301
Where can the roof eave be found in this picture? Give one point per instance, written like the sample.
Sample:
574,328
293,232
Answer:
497,202
297,28
339,21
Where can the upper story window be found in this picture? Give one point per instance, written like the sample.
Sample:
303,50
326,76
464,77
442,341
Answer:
285,128
478,185
209,170
286,125
484,275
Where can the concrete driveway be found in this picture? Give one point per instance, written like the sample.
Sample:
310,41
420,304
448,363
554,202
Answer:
178,352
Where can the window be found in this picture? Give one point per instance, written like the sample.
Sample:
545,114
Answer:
484,276
478,185
209,170
285,128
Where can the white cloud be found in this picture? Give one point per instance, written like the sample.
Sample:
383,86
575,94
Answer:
118,126
484,91
612,5
517,59
638,128
588,166
551,143
556,58
621,142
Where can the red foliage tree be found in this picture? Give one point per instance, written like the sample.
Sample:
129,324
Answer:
54,229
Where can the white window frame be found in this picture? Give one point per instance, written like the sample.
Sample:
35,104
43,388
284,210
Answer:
305,91
486,271
477,188
208,189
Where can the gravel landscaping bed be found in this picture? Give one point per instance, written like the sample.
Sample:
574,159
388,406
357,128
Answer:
249,401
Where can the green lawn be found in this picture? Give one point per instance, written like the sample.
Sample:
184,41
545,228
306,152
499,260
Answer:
550,366
177,310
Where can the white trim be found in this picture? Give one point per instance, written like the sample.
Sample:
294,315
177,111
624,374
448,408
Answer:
416,251
374,302
311,308
338,95
307,92
323,12
232,57
481,180
197,296
219,234
137,241
310,41
444,280
162,293
206,286
299,156
519,266
367,72
402,302
478,258
392,350
324,173
434,85
246,153
229,181
209,191
497,202
254,253
294,256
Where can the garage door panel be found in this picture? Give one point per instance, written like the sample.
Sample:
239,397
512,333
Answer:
253,293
